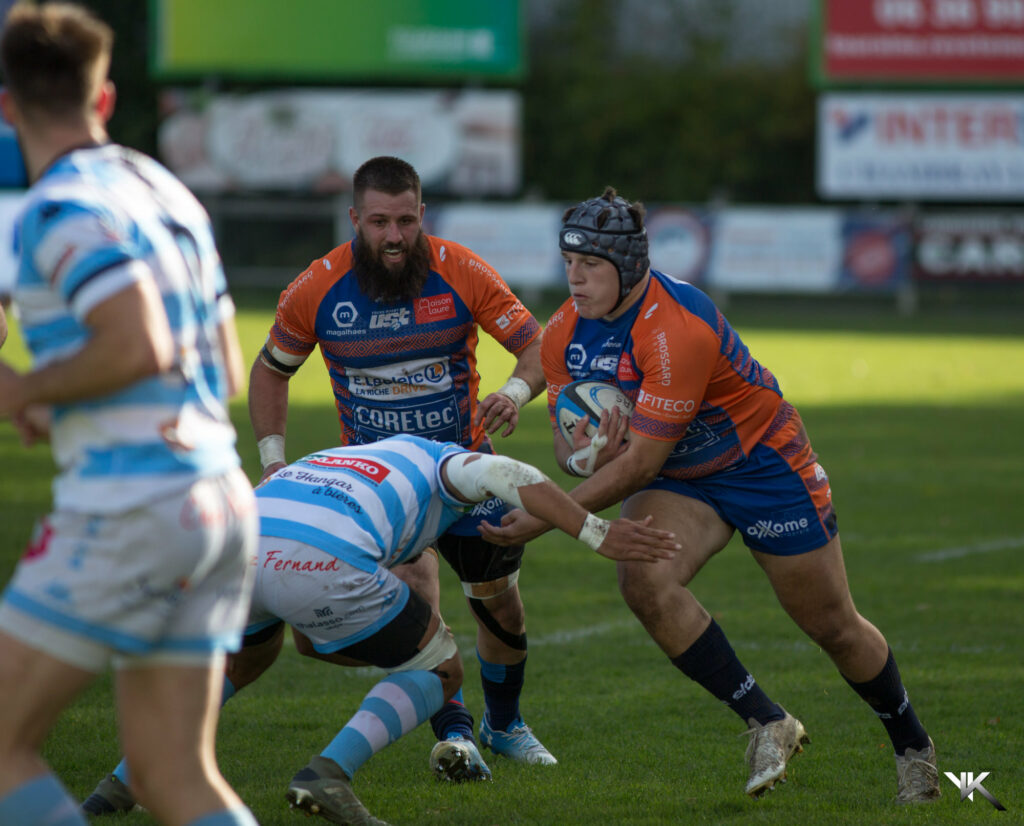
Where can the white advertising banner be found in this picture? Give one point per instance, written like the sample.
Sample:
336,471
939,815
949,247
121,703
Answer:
464,143
949,147
773,250
519,240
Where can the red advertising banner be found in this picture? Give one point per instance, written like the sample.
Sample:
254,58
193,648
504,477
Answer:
920,41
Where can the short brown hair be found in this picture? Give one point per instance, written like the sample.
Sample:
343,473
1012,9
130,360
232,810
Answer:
54,57
384,174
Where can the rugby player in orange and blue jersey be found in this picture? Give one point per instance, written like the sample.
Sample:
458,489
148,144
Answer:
396,314
712,448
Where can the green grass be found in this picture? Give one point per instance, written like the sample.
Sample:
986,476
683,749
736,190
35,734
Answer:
919,423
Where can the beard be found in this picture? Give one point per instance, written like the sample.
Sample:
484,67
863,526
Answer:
385,284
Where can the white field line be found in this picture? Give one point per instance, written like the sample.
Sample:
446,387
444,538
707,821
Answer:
970,550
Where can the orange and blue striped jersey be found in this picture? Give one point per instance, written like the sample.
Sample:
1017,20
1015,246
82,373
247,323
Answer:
690,376
400,367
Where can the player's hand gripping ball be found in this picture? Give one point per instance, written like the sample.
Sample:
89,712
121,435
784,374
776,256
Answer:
584,401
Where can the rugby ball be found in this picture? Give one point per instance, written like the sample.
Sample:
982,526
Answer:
584,401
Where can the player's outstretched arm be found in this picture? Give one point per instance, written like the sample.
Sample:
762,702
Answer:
475,477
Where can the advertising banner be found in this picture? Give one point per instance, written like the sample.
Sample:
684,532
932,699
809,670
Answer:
808,250
464,143
679,240
519,240
969,246
772,250
949,147
919,41
403,40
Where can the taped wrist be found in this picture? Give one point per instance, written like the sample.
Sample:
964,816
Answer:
581,463
476,477
271,450
594,530
517,390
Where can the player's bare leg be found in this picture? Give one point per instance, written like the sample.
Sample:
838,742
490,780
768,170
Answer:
35,688
165,710
658,595
827,614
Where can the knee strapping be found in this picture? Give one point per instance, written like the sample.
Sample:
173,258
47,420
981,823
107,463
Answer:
440,648
515,641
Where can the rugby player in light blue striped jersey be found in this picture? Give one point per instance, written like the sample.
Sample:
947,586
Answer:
332,526
144,563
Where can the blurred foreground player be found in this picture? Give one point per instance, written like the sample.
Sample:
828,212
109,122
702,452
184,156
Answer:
144,563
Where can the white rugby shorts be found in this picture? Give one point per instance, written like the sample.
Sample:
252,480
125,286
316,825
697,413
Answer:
333,603
168,581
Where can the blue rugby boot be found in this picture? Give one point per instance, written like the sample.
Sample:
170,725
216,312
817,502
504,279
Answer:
517,742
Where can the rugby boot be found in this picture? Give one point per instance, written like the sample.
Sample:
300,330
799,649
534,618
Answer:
517,742
323,789
770,747
917,775
109,797
457,759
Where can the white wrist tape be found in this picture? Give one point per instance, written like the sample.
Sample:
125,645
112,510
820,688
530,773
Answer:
581,463
271,450
486,476
594,530
517,390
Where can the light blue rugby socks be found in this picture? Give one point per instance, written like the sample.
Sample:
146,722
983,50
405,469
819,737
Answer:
41,800
395,706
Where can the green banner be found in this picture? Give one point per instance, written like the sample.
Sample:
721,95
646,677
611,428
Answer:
406,40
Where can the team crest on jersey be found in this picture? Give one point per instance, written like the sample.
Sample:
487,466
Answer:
374,471
434,308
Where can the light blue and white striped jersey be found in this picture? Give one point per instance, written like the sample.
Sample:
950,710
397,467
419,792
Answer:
98,220
370,505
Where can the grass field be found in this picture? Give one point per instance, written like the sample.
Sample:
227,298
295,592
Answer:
919,423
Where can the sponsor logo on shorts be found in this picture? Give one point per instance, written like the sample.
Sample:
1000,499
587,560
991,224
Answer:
274,562
769,529
487,508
